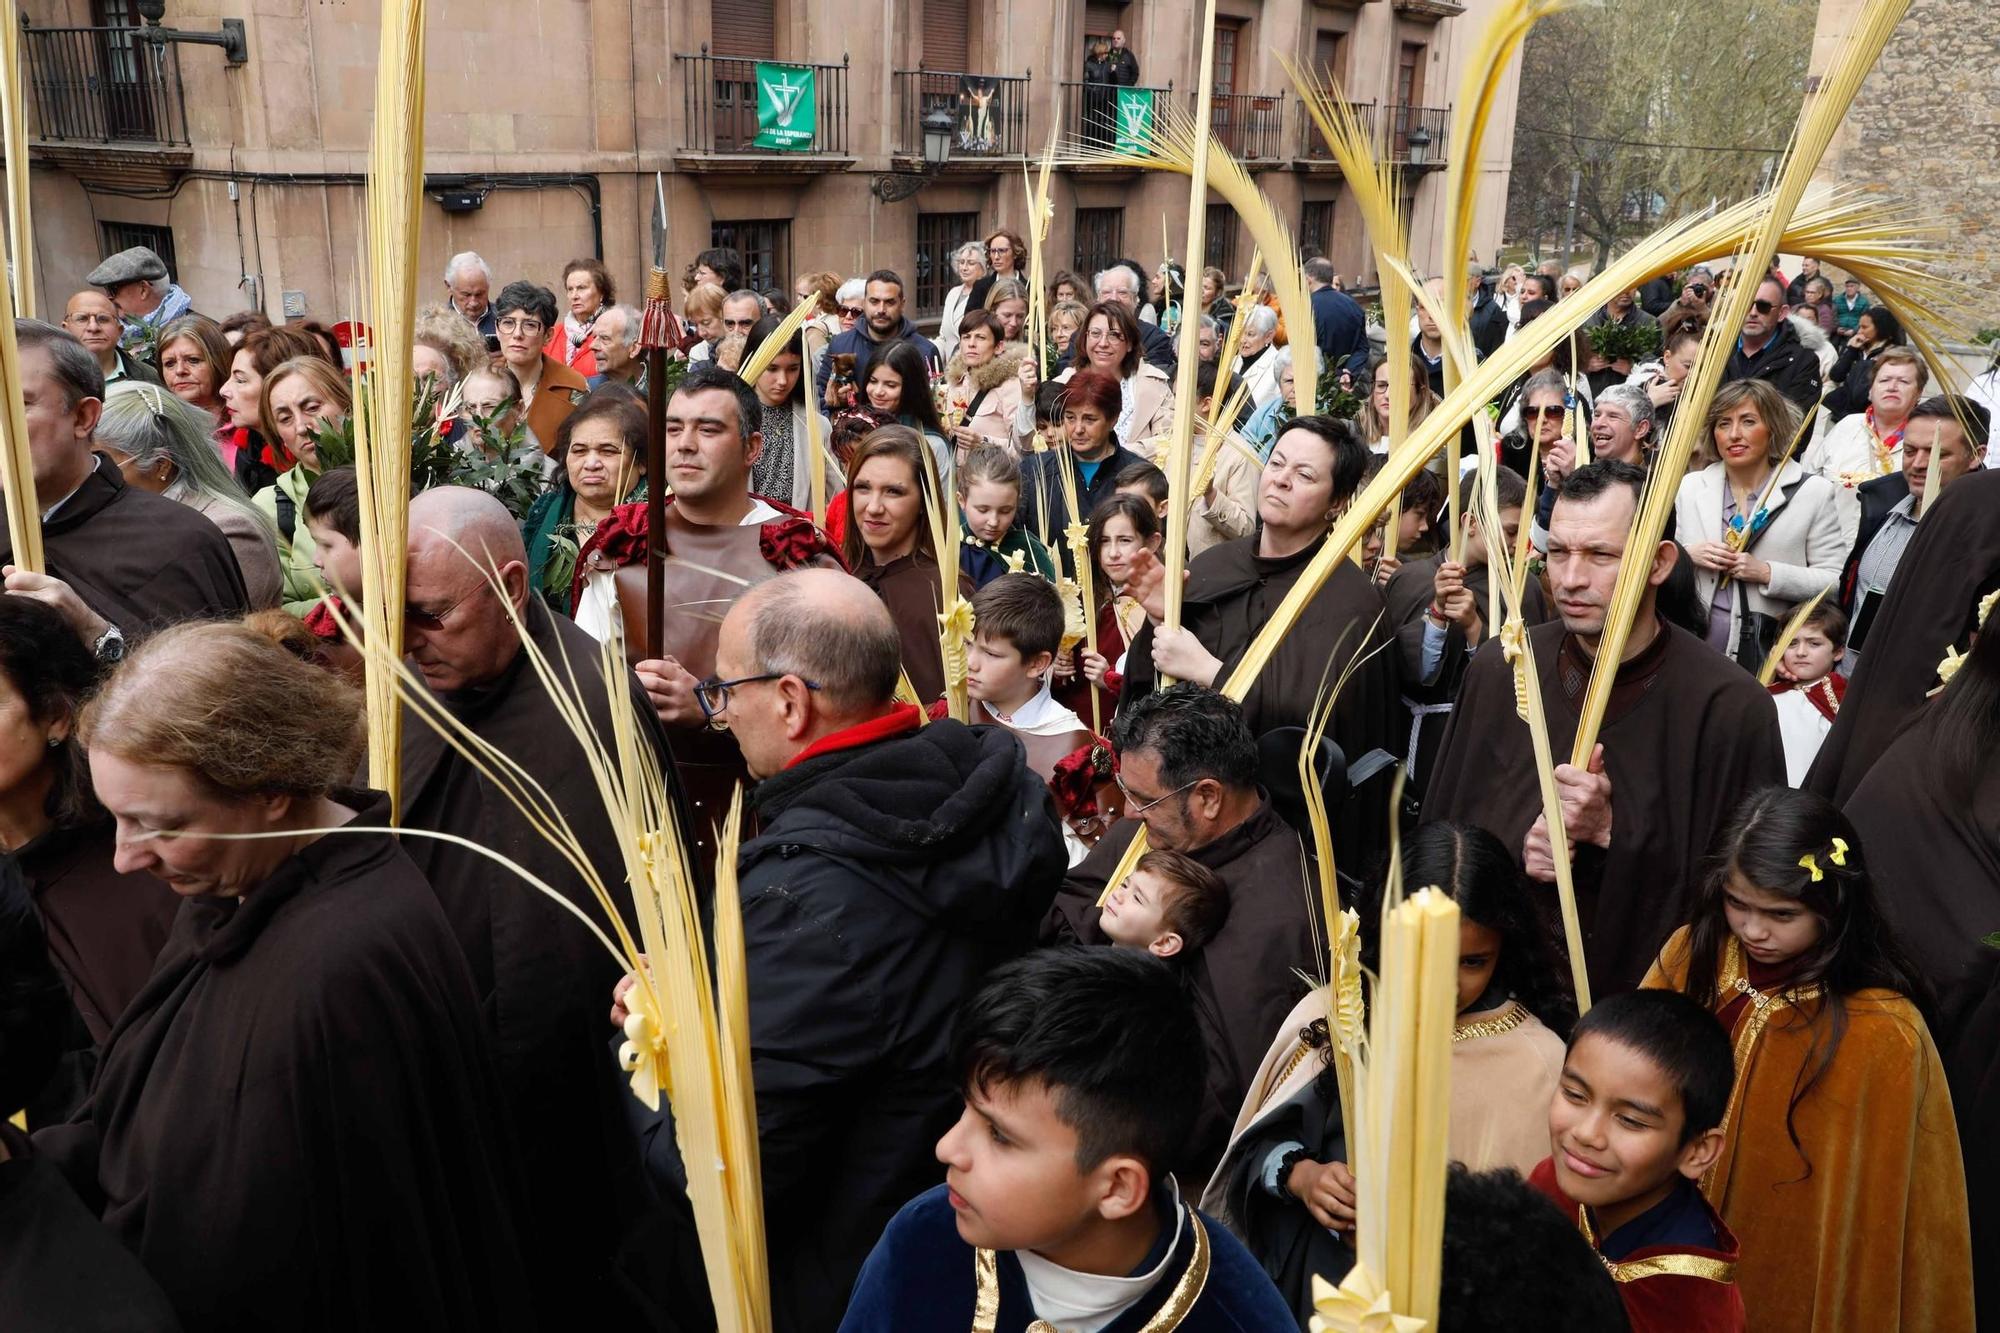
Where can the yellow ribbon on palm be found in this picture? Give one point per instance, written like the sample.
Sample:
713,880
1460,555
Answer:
1514,647
1359,1304
955,633
643,1054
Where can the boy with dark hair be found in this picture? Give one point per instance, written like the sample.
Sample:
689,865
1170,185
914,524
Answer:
1512,1262
1170,905
1082,1072
1808,690
1635,1122
1146,481
333,516
1018,622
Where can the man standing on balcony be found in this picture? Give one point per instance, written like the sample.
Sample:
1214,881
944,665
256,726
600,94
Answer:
1124,66
137,283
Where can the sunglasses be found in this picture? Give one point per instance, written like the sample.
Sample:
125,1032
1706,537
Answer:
1763,307
852,312
1543,413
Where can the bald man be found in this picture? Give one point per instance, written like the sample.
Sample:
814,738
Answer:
898,862
541,975
93,319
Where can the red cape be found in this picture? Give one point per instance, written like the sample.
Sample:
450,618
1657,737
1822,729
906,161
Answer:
789,542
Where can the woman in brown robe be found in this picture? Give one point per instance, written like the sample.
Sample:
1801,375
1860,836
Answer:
1840,1169
888,545
294,1125
103,928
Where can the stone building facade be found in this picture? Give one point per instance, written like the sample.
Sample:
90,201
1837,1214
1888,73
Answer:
1925,128
548,119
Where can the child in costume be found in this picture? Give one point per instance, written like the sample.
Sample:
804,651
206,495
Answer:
1122,526
1284,1186
1635,1122
1840,1167
989,497
1170,906
1083,1074
1808,691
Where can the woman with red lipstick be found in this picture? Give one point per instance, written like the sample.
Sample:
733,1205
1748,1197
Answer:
889,547
1758,549
1840,1169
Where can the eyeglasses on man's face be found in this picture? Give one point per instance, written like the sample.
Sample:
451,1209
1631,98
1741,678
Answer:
1133,811
712,695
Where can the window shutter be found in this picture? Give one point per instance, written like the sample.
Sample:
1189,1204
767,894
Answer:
947,40
1100,18
744,28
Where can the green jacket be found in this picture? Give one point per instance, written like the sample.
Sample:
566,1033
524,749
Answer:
285,505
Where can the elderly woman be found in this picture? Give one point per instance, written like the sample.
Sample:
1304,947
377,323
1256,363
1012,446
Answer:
311,1022
253,458
162,445
523,313
1111,345
194,361
1066,320
588,289
1758,550
298,397
987,389
1869,444
704,312
783,470
104,928
602,449
969,262
1255,365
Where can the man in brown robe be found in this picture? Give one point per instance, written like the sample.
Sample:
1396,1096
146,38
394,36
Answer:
721,541
119,560
1188,767
1951,564
1437,608
1688,735
541,976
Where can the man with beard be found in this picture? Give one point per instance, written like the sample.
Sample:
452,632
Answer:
1687,736
883,322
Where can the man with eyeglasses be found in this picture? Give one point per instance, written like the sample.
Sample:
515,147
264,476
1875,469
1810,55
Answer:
741,310
94,321
1188,767
898,862
1687,738
1770,349
540,972
882,323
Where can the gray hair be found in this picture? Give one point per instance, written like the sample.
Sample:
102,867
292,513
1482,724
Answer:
1638,404
1209,324
1320,270
1260,319
856,660
970,250
71,362
851,290
466,259
630,320
1118,271
148,423
744,293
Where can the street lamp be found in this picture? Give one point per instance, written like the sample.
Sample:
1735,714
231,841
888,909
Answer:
939,126
1419,144
235,46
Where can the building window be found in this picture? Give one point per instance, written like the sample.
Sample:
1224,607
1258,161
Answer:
766,247
1316,228
117,236
1219,238
938,234
1100,239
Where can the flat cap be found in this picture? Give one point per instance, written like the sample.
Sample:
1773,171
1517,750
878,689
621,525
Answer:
132,265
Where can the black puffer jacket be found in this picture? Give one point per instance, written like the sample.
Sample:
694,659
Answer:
887,881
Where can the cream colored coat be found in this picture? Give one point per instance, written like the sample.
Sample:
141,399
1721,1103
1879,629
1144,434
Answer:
1229,509
1802,543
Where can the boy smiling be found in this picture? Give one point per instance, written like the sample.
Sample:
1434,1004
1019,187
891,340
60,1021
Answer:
1082,1071
1635,1122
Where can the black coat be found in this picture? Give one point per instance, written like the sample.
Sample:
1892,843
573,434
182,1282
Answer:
1853,374
1340,328
1878,496
1489,323
1786,362
888,880
1043,501
857,342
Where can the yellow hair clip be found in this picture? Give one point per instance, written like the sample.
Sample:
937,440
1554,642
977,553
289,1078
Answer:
1807,862
1839,856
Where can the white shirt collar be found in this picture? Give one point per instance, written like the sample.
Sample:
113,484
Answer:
1084,1302
50,512
1041,715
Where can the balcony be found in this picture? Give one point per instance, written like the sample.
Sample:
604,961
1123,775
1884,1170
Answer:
1417,136
1430,10
989,113
106,104
1090,112
1312,152
806,129
1250,125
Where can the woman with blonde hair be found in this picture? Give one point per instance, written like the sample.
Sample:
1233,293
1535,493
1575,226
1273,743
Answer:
298,398
1371,419
162,444
703,309
825,323
311,1019
1758,549
194,361
454,337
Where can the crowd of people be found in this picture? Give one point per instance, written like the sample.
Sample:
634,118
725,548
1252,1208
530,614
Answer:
291,1058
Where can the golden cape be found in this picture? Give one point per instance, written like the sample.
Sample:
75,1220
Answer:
1875,1236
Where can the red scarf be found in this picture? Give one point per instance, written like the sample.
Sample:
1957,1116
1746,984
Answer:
789,542
899,719
1826,694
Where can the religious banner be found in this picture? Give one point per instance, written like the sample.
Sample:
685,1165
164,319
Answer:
787,112
978,126
1135,119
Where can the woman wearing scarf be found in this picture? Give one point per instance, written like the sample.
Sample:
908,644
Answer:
1869,443
588,287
